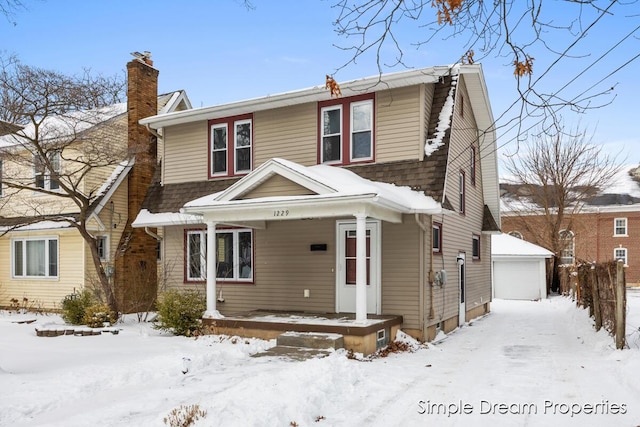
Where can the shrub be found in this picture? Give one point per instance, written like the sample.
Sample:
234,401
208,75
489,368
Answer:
75,305
180,312
184,416
96,315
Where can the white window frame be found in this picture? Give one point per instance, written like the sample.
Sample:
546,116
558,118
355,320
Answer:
236,147
616,227
213,150
323,135
55,158
568,249
436,249
47,262
617,254
103,251
203,250
368,102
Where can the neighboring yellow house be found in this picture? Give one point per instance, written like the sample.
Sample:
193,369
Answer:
43,257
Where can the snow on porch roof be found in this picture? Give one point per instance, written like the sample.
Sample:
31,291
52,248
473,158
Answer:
328,182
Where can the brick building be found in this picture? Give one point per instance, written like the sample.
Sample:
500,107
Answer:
607,228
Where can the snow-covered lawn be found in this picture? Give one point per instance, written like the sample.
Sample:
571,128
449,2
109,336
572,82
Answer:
526,363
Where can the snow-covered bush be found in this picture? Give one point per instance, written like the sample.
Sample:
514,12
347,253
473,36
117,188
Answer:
75,305
180,312
96,315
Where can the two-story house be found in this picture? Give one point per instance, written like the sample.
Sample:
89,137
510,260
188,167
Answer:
43,255
377,202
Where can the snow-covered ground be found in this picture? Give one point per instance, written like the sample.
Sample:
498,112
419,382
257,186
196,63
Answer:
526,363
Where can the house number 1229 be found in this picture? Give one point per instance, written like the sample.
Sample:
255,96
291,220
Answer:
281,213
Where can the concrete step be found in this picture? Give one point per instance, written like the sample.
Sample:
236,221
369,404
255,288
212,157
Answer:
310,340
294,353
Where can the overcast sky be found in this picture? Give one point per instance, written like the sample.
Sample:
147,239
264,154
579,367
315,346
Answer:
220,51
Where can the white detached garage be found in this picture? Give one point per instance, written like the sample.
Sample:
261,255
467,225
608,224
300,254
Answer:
518,268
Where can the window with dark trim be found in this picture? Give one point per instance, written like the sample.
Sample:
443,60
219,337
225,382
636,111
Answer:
472,165
475,246
436,228
234,255
231,146
461,192
346,130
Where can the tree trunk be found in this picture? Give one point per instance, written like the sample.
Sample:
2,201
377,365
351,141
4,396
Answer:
555,277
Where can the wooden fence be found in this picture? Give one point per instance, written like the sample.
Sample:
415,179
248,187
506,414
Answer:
602,289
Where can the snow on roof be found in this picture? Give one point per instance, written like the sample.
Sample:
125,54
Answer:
444,118
42,225
148,219
65,125
509,246
342,182
623,183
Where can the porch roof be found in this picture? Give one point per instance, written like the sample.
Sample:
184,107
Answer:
332,192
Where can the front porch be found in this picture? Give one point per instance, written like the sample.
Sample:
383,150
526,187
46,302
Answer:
360,337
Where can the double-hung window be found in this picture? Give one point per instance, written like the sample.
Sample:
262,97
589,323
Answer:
231,146
234,255
43,172
35,257
620,227
620,254
102,243
568,245
346,130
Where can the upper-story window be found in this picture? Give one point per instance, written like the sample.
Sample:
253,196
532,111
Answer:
620,227
230,146
42,174
461,192
472,165
346,130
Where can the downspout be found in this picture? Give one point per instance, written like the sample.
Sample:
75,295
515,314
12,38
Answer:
152,131
152,234
424,227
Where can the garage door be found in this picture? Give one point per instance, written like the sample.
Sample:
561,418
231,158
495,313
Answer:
517,280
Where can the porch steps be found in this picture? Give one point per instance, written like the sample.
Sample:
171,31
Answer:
304,345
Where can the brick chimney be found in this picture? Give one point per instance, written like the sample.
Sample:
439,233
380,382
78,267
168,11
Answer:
136,259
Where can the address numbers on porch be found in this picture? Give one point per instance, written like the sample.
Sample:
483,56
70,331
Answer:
281,212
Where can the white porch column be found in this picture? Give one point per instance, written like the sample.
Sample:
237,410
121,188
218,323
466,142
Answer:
361,267
211,312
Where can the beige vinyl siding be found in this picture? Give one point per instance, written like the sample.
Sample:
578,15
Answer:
458,230
284,266
186,153
399,131
401,271
277,186
289,132
114,217
427,102
43,292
